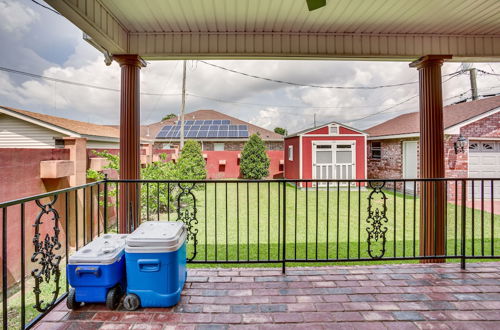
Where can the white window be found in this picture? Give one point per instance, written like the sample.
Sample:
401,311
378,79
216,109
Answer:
218,146
290,153
334,130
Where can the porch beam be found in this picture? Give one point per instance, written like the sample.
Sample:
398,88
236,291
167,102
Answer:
432,194
129,140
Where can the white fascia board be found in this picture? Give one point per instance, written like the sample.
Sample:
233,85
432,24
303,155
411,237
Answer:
455,129
39,122
395,136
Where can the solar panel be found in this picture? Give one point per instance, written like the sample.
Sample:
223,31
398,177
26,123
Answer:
189,122
205,127
196,127
226,122
199,122
223,127
212,134
222,133
217,122
207,122
242,127
202,134
242,133
232,134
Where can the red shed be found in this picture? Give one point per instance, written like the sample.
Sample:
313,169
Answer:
330,151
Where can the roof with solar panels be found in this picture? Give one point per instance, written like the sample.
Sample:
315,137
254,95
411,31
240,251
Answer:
207,125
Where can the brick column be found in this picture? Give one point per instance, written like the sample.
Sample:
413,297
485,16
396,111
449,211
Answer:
432,194
129,140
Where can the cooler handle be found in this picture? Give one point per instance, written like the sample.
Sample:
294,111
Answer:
92,270
149,265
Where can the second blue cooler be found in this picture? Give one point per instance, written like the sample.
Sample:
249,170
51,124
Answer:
156,264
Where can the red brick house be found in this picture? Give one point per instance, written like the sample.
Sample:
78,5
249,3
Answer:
393,145
331,151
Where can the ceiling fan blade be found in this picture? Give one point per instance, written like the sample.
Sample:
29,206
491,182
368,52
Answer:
315,4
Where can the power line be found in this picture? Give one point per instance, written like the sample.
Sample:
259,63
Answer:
309,85
46,7
76,83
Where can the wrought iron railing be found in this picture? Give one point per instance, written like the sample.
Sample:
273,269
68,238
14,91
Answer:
284,222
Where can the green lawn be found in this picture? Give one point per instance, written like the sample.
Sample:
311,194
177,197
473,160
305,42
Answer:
320,224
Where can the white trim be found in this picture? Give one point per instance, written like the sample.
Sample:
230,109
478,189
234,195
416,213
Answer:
38,122
290,152
366,158
395,136
300,157
455,129
100,138
336,135
483,138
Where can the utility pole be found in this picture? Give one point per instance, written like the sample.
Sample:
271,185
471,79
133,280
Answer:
183,105
314,119
473,83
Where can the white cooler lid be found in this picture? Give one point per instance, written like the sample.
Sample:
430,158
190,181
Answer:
161,234
103,250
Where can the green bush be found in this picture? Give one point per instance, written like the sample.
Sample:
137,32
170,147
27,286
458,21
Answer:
254,163
191,165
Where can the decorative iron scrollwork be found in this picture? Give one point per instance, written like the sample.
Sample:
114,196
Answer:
186,212
45,257
377,208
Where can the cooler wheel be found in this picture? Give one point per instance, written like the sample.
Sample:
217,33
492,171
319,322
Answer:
113,297
131,302
71,299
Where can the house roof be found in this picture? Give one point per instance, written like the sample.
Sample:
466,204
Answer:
150,131
320,126
454,114
75,126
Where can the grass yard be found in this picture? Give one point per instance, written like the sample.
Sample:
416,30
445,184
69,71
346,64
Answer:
240,221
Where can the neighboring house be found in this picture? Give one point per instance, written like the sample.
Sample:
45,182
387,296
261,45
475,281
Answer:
26,129
222,139
214,130
393,145
330,151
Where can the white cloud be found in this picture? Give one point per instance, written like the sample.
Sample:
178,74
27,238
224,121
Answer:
15,17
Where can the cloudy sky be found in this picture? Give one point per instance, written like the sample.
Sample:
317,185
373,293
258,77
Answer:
38,41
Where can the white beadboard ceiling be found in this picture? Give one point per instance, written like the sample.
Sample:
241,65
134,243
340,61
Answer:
386,29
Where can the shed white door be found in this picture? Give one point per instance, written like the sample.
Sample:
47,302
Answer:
334,160
484,162
410,161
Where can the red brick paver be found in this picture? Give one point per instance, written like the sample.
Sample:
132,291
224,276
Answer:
414,296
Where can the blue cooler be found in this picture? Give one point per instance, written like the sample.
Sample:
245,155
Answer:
156,264
96,272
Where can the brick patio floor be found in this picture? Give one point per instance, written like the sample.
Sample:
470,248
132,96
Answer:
432,296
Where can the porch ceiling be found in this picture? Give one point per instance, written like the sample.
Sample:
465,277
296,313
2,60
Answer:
384,29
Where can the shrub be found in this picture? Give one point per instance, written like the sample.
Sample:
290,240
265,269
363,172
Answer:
191,165
254,163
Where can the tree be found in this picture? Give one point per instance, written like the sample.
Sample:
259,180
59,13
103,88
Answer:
280,131
191,164
254,163
169,116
